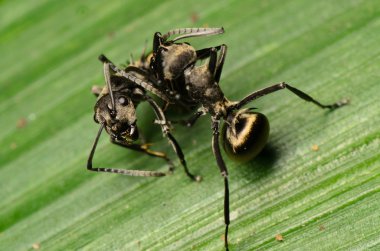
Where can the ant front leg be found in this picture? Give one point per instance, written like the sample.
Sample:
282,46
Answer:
224,173
283,85
115,170
144,148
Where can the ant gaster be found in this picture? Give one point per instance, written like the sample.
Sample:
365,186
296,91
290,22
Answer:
244,132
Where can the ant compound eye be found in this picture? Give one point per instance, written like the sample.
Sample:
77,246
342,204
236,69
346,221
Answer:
245,135
122,100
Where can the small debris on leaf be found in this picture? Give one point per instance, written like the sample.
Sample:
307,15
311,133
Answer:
21,123
315,147
194,17
36,246
223,237
279,237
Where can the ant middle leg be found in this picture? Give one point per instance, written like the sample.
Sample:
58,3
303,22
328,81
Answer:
161,120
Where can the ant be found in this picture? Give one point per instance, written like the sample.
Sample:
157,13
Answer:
115,111
244,132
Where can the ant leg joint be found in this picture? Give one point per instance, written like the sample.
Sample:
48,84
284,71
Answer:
224,174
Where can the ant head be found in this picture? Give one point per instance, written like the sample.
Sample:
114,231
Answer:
118,116
244,134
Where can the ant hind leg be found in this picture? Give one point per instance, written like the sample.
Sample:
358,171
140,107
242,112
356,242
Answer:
299,93
224,173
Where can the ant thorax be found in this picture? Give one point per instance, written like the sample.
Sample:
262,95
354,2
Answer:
203,89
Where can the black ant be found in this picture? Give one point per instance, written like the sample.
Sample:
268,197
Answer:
244,132
174,77
115,111
116,106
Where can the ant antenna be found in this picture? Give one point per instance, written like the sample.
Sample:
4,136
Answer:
89,161
107,77
192,32
146,85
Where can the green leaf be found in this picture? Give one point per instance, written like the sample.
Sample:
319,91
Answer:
325,199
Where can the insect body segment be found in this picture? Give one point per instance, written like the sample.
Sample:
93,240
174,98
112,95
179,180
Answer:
244,134
116,106
202,84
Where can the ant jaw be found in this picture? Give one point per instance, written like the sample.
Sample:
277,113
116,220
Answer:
130,134
133,133
123,132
